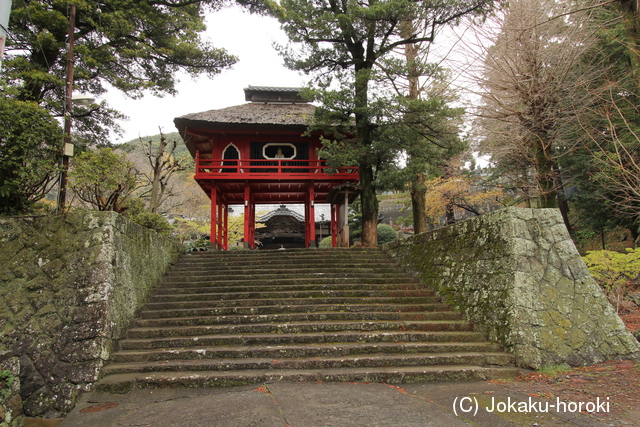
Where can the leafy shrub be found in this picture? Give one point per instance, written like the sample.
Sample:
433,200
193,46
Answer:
386,234
153,221
30,148
614,270
326,242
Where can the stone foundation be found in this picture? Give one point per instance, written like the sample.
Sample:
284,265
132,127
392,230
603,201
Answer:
69,287
10,399
516,274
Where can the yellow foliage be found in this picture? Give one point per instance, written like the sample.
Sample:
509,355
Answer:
462,193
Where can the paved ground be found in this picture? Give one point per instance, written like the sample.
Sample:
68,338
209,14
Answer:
320,404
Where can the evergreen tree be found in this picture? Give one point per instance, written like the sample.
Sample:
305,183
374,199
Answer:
134,46
343,45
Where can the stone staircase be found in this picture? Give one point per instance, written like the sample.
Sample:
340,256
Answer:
224,319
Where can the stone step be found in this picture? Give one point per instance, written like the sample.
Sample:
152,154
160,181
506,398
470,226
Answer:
303,315
297,317
355,268
259,281
281,257
350,361
299,327
178,289
300,350
300,338
289,253
295,294
284,263
278,278
310,307
262,302
123,383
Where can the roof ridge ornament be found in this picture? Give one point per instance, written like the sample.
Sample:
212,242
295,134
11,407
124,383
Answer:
271,94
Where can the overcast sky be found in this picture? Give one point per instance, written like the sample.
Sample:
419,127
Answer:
249,37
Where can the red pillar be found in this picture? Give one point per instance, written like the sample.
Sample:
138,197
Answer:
248,242
221,229
334,225
214,218
226,227
311,218
252,224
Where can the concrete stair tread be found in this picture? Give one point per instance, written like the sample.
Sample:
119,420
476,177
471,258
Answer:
319,349
350,268
298,327
375,359
257,280
295,274
292,317
298,350
122,383
176,290
301,338
303,293
264,302
307,308
355,325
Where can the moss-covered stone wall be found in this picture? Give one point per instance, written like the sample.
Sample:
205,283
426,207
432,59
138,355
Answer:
10,399
69,287
516,274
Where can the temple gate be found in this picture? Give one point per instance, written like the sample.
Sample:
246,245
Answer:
257,153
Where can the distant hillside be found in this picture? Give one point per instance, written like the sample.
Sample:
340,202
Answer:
181,149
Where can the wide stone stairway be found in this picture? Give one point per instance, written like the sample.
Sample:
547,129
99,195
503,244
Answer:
232,318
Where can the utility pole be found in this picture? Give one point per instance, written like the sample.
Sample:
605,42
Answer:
67,151
5,11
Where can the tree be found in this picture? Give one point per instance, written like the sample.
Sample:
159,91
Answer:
426,134
103,179
532,90
162,165
344,42
605,167
460,192
30,146
134,46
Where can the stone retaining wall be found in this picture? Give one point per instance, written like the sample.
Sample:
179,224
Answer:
69,287
516,274
10,399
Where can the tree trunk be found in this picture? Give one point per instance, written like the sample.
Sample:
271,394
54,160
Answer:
418,199
545,178
450,214
369,202
562,201
418,190
368,197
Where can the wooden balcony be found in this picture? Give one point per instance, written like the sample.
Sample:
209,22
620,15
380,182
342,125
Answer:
281,169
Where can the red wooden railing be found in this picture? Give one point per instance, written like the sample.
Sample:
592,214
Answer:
274,168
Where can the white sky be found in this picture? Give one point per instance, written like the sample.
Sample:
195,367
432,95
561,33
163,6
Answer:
250,38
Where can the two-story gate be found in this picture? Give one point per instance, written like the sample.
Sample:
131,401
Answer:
257,153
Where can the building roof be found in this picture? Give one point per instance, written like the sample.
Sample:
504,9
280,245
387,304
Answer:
293,114
282,210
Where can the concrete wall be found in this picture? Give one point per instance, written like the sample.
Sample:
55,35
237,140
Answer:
516,274
69,287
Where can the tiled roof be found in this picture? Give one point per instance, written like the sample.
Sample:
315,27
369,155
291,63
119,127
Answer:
282,210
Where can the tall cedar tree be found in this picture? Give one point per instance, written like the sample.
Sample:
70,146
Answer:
344,41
